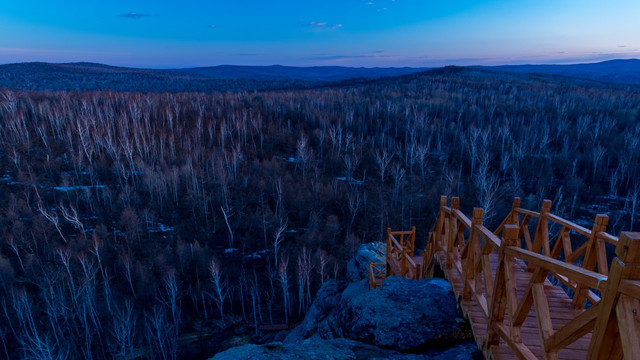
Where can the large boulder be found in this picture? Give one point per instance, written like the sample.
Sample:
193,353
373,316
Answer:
358,267
402,315
322,317
337,349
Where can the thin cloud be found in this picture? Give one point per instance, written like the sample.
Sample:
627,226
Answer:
375,54
322,24
134,16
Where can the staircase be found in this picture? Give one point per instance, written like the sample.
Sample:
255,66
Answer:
547,294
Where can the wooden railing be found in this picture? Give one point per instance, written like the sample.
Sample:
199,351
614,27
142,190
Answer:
400,251
605,299
377,274
400,260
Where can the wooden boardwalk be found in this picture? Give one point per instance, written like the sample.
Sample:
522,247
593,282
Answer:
559,305
503,282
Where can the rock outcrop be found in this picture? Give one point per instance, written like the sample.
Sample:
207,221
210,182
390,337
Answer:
337,349
405,315
358,267
402,319
322,319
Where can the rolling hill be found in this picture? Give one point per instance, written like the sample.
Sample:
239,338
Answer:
613,71
95,77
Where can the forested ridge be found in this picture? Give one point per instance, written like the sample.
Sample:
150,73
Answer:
130,221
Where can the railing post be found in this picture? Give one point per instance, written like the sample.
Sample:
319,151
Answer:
440,225
502,291
541,240
511,240
616,326
473,250
413,241
389,270
514,219
453,225
372,280
593,255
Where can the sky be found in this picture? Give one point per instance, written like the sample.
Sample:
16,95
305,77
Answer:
369,33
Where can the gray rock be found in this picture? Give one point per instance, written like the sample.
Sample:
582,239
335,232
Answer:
321,319
317,348
358,267
463,351
402,314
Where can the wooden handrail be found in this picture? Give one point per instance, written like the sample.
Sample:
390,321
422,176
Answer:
573,226
463,218
504,298
406,232
585,270
528,212
409,260
377,271
489,236
395,243
592,279
608,238
630,287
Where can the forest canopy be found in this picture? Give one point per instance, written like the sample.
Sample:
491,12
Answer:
129,221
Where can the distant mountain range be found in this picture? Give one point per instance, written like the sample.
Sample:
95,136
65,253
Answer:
279,73
95,77
613,71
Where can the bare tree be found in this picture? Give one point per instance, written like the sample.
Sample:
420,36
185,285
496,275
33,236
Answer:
227,214
383,158
303,271
121,343
597,155
220,287
127,264
284,284
278,238
398,175
160,334
353,202
303,153
35,345
254,294
323,261
488,186
14,248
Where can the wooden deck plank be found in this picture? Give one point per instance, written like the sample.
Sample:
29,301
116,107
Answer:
560,306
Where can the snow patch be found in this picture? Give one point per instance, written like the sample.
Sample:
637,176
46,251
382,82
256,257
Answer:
350,180
78,187
159,227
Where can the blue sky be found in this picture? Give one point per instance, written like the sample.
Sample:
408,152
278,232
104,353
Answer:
185,33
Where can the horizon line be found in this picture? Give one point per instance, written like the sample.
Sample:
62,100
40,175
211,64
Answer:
318,66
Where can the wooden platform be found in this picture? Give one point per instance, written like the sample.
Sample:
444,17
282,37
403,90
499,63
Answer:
502,280
560,306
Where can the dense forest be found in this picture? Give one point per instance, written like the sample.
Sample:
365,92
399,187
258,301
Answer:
38,76
131,222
